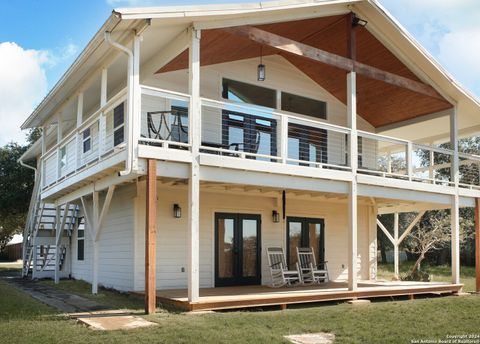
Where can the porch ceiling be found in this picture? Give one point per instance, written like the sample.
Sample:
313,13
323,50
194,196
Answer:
379,103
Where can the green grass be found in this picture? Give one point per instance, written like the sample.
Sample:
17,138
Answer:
438,273
107,297
24,320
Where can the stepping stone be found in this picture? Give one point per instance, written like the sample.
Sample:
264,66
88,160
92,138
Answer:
113,322
311,338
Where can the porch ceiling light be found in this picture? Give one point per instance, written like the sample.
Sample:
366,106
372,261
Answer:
177,211
261,71
275,216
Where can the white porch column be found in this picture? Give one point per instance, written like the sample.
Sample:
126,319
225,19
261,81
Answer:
454,212
395,247
352,194
94,230
194,179
102,122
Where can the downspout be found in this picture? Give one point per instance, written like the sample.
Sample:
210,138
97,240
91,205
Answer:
130,96
30,209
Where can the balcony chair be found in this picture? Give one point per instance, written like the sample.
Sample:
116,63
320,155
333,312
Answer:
176,131
281,276
310,271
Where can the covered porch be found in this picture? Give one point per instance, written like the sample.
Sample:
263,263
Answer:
223,298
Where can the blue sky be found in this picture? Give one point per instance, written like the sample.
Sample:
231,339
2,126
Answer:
39,39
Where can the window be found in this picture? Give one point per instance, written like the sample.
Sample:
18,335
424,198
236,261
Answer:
87,142
81,244
248,93
304,106
63,157
118,125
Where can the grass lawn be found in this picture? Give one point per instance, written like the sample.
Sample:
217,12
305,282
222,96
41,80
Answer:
24,320
442,273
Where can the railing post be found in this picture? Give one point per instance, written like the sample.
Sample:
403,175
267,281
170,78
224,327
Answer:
102,121
79,123
409,160
284,139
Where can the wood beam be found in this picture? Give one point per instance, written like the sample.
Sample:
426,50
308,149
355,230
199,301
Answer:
389,236
477,245
105,207
318,55
151,237
410,226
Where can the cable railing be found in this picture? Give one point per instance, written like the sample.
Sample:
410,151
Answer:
246,131
96,138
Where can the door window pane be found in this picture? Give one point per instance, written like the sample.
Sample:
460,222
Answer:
248,93
225,248
294,241
314,233
249,248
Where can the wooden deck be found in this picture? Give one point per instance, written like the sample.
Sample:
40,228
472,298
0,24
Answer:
258,296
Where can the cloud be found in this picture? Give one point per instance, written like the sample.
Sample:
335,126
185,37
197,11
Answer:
448,29
23,84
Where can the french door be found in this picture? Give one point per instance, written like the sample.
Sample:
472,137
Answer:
237,249
305,232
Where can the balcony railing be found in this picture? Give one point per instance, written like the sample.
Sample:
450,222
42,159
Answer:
94,140
247,131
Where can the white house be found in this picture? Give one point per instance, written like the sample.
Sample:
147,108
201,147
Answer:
184,141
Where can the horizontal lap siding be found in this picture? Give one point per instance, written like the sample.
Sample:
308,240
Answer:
116,250
172,234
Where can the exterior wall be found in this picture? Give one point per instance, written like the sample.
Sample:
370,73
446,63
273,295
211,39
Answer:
47,238
172,232
116,250
282,76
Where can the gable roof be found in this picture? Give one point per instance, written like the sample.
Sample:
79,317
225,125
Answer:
382,25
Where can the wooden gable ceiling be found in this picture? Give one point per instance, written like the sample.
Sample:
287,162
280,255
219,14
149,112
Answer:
379,103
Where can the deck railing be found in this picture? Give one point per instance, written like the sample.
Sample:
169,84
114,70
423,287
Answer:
247,131
94,140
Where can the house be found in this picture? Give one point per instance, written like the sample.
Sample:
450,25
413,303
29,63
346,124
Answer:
184,141
13,249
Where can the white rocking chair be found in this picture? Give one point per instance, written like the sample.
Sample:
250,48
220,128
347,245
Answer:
310,271
281,276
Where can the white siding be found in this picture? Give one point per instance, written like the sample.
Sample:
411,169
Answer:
116,250
171,234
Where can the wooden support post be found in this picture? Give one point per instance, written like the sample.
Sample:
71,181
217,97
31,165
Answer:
194,178
455,212
395,247
477,245
352,194
151,237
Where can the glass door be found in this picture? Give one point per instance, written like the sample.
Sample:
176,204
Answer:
237,249
305,232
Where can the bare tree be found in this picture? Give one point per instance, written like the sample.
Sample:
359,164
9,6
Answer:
427,236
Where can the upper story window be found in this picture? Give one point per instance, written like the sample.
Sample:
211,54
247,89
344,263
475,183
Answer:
248,93
86,140
118,125
303,105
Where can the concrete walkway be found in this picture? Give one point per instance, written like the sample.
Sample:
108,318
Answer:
85,311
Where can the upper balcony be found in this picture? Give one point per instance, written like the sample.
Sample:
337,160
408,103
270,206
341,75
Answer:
248,137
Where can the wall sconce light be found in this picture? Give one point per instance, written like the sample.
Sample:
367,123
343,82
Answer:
275,216
177,211
261,68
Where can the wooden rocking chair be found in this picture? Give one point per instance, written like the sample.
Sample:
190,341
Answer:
281,276
310,271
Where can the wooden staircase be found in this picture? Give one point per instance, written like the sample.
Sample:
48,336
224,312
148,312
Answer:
43,216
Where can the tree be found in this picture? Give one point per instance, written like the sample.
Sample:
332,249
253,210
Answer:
16,184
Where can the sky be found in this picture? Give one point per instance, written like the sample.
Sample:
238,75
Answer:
39,40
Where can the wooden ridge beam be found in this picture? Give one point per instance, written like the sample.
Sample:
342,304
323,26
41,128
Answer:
300,49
